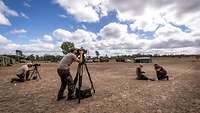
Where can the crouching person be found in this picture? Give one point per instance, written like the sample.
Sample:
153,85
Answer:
23,73
65,76
141,74
161,72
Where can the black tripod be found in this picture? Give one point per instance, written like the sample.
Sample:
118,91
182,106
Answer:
79,75
35,73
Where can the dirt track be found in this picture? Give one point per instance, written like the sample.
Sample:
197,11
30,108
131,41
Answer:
116,90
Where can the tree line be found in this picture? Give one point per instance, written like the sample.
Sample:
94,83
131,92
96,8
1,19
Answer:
46,57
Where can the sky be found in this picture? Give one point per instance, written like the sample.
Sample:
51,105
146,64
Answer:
112,27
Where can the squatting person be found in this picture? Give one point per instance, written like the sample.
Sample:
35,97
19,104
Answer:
160,72
23,73
141,74
64,73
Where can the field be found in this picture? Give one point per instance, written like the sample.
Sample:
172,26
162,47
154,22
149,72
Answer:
117,91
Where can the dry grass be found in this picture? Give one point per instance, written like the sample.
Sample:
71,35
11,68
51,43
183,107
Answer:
117,91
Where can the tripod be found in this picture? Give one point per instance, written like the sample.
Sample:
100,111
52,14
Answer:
35,73
79,75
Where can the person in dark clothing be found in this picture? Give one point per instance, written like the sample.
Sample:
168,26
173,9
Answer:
63,71
161,72
141,74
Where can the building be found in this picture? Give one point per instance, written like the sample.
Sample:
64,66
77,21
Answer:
143,60
6,61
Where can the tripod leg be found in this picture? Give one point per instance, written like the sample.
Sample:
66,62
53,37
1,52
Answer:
77,74
38,74
90,78
80,83
32,74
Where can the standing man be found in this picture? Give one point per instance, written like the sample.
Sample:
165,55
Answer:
160,72
141,74
64,73
23,73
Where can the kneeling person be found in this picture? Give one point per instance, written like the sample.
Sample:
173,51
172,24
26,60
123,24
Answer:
65,75
23,73
161,72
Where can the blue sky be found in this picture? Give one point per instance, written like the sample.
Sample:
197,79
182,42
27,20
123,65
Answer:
105,25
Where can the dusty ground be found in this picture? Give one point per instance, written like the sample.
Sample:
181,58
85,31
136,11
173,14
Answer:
116,90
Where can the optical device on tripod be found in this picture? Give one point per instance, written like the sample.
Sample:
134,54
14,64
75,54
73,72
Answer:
35,74
83,93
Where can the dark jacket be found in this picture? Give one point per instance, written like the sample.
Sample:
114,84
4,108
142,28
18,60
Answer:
139,73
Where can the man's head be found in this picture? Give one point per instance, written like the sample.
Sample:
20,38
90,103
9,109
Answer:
140,65
156,66
73,50
29,64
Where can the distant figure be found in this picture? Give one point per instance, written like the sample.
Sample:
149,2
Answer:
161,72
23,73
140,74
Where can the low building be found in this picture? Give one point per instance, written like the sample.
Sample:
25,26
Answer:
143,60
6,61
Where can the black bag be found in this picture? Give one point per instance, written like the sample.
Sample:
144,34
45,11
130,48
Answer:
84,92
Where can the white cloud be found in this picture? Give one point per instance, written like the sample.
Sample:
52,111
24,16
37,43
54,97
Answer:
77,36
85,10
4,20
36,46
27,4
62,16
5,11
18,31
84,27
114,39
47,38
3,40
113,31
24,15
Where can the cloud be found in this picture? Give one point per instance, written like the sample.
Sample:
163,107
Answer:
3,40
27,4
47,38
114,39
18,31
76,36
62,16
113,31
4,20
85,10
24,15
171,37
5,11
147,15
36,46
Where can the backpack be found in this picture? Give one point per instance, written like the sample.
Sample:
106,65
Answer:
84,92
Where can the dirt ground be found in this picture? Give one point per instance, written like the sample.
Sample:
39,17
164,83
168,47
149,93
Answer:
117,91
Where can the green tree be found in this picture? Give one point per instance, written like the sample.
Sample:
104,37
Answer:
66,46
37,57
31,57
97,54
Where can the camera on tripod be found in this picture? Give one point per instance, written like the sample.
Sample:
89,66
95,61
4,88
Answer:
81,49
35,74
